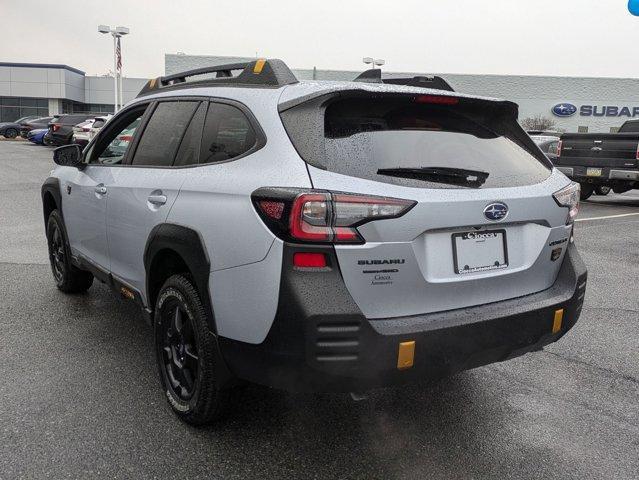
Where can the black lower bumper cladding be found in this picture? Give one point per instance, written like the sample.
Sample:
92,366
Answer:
320,340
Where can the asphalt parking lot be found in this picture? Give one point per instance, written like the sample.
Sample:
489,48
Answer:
80,396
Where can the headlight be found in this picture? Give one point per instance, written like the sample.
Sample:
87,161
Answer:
569,197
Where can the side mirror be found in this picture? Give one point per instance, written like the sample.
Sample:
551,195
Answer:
68,156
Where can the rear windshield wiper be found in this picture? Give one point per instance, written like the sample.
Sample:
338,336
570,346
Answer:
452,176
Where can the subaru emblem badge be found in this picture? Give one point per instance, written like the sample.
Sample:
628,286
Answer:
496,211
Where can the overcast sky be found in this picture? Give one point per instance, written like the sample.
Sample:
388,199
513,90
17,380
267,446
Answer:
546,37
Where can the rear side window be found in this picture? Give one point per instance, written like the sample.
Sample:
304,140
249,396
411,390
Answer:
99,123
399,140
163,133
227,134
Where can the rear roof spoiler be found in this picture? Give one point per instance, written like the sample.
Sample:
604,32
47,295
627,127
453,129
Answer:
261,72
374,75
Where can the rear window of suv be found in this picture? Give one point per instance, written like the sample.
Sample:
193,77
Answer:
399,140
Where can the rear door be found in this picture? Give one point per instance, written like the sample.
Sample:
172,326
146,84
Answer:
142,192
485,222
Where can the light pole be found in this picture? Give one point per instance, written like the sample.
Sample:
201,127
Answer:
116,33
374,62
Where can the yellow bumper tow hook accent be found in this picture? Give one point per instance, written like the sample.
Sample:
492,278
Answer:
406,355
556,323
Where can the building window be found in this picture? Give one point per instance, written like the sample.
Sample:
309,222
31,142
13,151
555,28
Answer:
582,130
13,108
69,106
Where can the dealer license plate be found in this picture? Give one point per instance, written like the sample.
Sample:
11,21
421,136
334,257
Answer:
593,172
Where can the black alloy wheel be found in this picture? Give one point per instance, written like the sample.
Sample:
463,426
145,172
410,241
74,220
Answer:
179,350
57,254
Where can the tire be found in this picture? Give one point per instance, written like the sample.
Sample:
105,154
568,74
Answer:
187,354
586,191
603,190
10,133
68,278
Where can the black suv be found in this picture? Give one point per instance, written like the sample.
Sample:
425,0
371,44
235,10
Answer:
61,128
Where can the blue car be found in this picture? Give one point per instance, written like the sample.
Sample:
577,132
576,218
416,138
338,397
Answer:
37,136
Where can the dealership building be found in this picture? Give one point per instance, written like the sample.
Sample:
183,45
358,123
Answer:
585,104
47,89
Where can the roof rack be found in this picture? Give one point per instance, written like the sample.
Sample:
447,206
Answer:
261,72
374,75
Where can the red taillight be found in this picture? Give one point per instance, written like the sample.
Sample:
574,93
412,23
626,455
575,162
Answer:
86,129
56,127
309,260
125,138
323,217
637,157
437,99
559,148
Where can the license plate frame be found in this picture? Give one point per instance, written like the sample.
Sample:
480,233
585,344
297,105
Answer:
479,268
594,172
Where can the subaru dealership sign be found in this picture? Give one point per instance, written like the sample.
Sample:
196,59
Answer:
566,109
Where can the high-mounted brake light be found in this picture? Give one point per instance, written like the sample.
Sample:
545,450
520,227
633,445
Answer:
323,217
437,99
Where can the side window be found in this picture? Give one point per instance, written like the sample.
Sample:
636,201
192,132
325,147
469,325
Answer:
227,134
189,150
163,133
111,148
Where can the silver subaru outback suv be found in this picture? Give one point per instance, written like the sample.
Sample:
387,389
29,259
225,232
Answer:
317,236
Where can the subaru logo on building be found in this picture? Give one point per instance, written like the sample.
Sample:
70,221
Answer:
496,211
564,109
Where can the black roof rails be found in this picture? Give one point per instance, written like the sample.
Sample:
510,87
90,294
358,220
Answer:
268,73
374,75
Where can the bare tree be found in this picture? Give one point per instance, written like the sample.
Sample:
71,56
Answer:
538,122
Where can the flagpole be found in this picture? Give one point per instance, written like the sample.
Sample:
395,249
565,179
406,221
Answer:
115,74
120,69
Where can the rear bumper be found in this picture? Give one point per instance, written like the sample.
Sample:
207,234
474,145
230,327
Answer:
579,173
320,341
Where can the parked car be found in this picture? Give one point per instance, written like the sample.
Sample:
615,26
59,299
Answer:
85,131
384,234
37,136
61,127
37,123
12,129
601,161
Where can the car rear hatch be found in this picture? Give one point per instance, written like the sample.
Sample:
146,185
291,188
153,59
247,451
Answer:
484,227
599,150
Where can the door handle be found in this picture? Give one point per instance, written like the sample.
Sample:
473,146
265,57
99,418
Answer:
157,199
101,190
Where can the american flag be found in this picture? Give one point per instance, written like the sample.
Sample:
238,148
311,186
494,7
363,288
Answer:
118,54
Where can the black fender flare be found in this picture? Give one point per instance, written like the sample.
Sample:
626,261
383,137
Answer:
188,244
51,186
